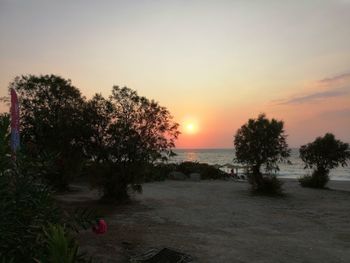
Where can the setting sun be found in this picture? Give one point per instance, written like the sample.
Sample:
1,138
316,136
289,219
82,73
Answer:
190,127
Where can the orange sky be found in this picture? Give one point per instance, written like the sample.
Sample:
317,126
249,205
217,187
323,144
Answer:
216,63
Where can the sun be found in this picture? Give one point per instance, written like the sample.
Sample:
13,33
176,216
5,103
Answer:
190,127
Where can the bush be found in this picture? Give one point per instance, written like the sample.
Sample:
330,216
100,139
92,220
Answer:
205,170
159,172
316,180
270,185
61,247
27,209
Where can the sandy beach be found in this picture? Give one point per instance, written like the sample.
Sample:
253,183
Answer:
220,221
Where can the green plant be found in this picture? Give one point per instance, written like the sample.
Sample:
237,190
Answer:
322,155
261,143
27,208
61,247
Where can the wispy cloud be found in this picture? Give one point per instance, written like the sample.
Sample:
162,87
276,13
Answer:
330,87
335,79
315,96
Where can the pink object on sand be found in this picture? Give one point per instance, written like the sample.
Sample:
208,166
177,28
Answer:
100,227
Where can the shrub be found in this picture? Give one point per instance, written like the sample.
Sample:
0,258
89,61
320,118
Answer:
27,209
61,247
205,170
159,172
322,155
316,180
270,185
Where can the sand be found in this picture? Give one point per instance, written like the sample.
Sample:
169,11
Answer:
220,221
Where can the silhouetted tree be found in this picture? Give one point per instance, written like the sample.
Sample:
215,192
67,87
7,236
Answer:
51,120
262,143
135,132
322,155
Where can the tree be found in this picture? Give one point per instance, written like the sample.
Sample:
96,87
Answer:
261,143
135,132
322,155
51,120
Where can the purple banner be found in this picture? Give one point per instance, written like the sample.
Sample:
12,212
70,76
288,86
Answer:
14,122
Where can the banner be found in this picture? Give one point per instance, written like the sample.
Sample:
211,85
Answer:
14,122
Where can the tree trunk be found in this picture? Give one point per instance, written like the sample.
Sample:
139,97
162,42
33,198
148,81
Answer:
258,180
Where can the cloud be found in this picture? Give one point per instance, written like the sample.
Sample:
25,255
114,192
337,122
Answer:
331,87
315,96
334,79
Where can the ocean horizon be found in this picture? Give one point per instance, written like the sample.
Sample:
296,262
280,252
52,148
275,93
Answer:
222,156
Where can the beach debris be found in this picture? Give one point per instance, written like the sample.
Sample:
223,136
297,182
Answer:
164,255
100,227
195,177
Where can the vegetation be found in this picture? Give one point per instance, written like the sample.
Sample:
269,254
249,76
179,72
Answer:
113,139
322,155
205,170
51,121
28,209
261,143
129,134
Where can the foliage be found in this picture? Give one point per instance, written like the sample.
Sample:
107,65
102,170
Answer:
322,155
159,172
318,179
61,247
205,170
270,185
261,143
5,151
27,209
133,132
51,120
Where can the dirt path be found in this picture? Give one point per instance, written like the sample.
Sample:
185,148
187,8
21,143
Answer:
219,221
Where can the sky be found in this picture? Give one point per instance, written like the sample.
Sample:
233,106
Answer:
213,64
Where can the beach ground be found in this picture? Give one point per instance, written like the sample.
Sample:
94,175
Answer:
220,221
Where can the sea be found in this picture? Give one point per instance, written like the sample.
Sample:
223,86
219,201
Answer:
226,157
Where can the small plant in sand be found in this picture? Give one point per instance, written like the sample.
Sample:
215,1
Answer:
322,155
261,143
